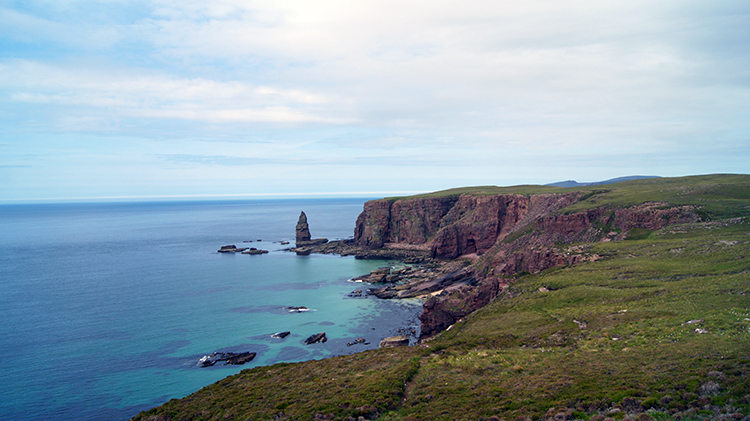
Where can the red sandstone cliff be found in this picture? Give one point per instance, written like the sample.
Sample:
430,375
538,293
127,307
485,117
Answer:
452,225
512,234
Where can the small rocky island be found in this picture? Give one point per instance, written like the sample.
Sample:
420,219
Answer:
231,248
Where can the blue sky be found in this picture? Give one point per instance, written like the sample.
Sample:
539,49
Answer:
153,98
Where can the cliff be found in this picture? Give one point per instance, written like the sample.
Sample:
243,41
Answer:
502,235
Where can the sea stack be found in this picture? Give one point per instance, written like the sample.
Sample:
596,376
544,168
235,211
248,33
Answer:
303,235
303,230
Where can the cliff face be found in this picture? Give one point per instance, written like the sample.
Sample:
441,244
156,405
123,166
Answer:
451,226
456,225
511,233
410,221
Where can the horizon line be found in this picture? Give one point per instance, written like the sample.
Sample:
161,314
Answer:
208,196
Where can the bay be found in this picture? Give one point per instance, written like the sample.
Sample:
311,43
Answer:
107,307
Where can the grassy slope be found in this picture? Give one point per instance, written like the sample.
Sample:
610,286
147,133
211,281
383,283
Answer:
721,195
525,353
609,335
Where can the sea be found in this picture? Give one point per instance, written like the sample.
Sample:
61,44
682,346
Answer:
107,308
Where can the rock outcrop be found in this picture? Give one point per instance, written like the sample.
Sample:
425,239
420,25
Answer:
502,235
229,358
318,337
465,224
443,311
302,228
231,248
303,238
357,341
451,226
394,341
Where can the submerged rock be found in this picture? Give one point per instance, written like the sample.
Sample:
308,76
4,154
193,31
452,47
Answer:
357,341
355,294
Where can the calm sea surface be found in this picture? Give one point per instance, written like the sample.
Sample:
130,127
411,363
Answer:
107,308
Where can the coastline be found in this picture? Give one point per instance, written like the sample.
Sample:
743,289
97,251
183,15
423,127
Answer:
124,299
555,262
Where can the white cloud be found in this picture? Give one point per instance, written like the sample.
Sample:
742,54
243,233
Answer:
139,93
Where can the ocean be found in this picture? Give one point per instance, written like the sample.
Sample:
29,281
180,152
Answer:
108,307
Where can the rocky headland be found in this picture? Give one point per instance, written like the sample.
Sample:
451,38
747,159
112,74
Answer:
468,247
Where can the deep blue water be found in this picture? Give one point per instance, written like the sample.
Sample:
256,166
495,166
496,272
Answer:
106,308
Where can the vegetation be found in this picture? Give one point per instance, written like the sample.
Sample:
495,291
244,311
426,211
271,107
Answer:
657,329
720,195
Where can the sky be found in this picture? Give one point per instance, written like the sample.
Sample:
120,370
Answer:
240,98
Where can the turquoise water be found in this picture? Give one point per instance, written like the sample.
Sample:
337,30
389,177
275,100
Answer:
107,308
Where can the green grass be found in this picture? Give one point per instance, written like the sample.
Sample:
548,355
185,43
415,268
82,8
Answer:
525,353
726,195
336,388
720,194
610,338
485,190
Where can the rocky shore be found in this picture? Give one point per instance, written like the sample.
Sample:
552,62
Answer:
462,251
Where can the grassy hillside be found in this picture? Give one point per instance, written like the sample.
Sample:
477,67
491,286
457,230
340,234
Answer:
607,335
720,195
658,328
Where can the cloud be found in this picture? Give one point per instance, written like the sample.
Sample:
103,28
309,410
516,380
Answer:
462,91
414,65
145,94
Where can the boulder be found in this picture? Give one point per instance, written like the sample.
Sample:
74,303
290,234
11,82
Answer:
241,358
357,341
230,358
394,341
318,337
280,335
